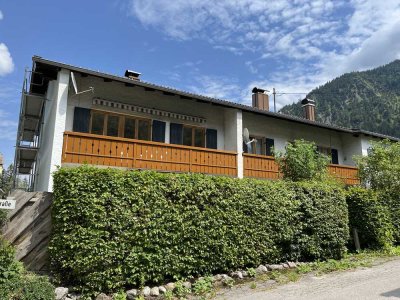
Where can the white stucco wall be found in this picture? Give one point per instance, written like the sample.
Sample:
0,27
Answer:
115,91
233,135
283,131
53,126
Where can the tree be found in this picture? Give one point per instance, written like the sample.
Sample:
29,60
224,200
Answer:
302,161
381,168
6,181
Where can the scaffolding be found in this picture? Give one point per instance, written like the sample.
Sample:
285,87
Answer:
28,134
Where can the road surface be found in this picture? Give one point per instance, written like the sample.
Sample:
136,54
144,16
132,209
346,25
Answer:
378,282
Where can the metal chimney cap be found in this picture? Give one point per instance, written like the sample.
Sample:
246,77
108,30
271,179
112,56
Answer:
307,101
131,73
257,90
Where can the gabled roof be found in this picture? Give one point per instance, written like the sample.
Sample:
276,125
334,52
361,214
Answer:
37,60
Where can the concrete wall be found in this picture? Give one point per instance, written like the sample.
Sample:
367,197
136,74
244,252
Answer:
53,126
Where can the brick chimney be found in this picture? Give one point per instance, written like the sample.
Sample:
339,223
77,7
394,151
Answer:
132,75
308,108
260,99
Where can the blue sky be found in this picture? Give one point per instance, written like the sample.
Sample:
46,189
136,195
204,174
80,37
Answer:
217,48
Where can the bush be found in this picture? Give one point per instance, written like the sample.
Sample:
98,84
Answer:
10,269
302,161
116,228
3,217
381,171
27,287
371,217
15,283
391,199
381,168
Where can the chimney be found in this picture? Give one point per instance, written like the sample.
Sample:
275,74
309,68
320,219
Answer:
133,75
308,108
260,99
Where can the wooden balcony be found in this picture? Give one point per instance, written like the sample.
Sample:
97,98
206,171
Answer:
93,149
260,166
265,167
80,148
349,175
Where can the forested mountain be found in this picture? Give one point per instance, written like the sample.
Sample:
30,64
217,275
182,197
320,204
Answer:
368,100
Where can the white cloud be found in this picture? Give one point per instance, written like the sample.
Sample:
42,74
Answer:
315,41
215,86
6,61
1,15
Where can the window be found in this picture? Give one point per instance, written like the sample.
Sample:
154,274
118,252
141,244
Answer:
119,125
130,128
260,146
144,130
332,153
112,125
190,136
97,123
199,137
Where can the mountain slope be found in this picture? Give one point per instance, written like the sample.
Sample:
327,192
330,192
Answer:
368,100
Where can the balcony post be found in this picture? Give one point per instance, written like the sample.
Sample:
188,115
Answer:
233,136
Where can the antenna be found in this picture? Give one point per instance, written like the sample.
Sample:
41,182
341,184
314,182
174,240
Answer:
91,89
246,137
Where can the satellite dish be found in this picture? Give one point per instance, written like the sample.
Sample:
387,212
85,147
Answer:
74,83
246,135
91,89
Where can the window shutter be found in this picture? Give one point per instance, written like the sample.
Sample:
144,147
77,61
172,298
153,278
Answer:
269,144
158,131
175,132
81,119
335,156
211,138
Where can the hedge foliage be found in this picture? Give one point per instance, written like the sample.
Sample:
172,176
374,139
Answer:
16,283
116,228
391,199
371,217
301,160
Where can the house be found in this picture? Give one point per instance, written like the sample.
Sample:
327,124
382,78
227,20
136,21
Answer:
71,115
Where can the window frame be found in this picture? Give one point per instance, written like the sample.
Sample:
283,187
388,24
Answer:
193,129
121,123
260,139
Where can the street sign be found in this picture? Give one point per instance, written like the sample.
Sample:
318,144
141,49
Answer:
7,204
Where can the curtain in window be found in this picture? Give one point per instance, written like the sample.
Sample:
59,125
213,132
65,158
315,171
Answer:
81,119
269,144
176,133
211,138
158,131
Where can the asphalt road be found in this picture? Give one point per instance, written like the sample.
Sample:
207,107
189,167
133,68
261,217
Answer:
378,282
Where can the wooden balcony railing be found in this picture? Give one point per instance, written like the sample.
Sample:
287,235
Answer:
265,167
260,166
349,175
93,149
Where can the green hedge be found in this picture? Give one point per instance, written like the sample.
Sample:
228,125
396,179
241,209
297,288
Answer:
16,283
391,199
116,228
371,217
